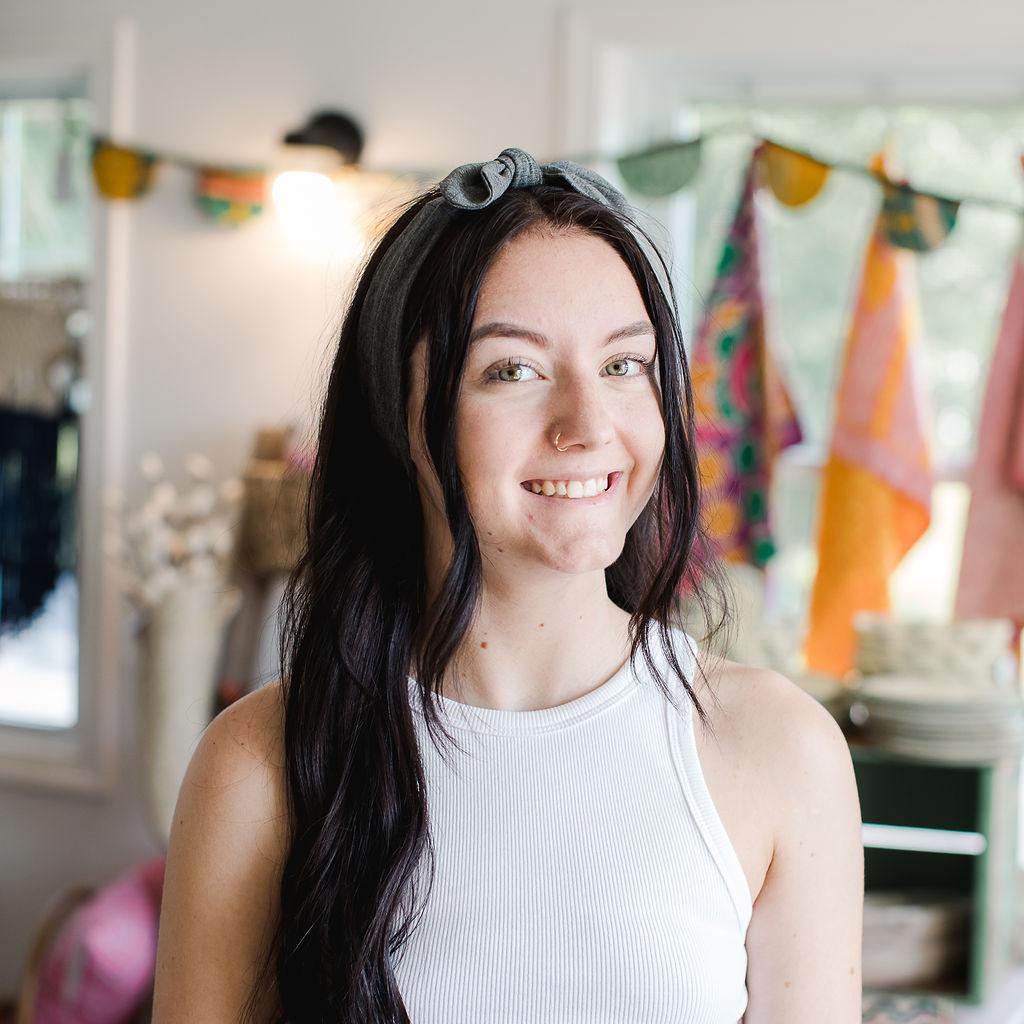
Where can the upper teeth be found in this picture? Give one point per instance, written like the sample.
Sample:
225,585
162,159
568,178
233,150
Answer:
569,488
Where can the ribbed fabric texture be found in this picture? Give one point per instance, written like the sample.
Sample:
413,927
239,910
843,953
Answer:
583,874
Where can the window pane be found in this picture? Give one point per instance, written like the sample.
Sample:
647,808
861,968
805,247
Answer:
45,188
45,258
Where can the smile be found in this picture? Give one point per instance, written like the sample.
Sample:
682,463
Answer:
576,491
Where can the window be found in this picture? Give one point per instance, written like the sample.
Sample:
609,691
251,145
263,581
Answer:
812,260
45,188
45,255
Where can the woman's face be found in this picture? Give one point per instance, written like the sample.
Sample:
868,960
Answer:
518,390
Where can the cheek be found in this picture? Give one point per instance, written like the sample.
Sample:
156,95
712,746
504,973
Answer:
646,428
489,442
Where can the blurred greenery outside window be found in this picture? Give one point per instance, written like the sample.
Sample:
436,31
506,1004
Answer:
45,188
811,263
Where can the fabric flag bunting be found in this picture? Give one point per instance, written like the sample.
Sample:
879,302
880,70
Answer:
121,173
661,170
920,223
794,178
744,415
991,583
230,197
876,485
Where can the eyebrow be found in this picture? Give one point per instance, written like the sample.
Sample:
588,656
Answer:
499,328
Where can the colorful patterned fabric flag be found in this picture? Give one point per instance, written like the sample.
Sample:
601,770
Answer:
231,197
917,222
876,486
744,415
991,580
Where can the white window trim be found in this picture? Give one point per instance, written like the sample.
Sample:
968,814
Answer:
86,758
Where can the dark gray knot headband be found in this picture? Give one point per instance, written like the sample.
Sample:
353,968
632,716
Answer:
468,187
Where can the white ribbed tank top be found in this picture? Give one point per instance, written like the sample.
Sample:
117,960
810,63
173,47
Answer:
583,874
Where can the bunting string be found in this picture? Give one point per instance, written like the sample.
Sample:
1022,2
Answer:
656,170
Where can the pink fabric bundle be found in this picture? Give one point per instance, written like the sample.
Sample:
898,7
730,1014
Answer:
100,967
991,580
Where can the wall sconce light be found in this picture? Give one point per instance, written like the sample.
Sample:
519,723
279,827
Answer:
328,141
316,211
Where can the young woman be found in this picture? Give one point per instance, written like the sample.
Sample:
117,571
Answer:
479,792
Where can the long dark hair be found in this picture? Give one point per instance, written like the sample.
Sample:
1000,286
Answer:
355,615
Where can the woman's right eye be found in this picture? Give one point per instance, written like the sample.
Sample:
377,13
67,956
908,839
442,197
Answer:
517,365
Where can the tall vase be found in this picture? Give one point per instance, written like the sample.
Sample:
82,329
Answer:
181,645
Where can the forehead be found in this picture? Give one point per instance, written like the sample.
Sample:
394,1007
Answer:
559,280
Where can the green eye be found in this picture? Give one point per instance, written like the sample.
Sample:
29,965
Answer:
514,365
644,364
495,376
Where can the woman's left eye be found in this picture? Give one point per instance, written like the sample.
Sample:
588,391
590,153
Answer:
622,360
520,364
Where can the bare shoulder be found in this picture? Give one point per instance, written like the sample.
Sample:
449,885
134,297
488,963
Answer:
256,722
767,737
227,849
767,712
803,941
238,762
241,753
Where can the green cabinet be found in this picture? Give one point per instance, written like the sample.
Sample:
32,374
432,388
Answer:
931,825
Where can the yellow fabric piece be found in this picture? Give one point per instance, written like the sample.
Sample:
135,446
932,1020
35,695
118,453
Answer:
866,529
876,487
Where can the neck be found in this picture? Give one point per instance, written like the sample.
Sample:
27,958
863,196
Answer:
539,649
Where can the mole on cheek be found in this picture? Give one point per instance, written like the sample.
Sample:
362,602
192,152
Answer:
483,643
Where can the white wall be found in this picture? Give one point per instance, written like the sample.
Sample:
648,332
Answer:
226,329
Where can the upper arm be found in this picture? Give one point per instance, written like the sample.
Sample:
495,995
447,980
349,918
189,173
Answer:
224,860
804,940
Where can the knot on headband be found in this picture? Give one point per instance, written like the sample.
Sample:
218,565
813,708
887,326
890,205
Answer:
474,186
470,186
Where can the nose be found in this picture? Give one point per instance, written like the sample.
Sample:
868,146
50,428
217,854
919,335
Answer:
580,411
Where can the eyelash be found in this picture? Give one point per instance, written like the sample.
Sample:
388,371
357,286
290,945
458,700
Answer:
511,361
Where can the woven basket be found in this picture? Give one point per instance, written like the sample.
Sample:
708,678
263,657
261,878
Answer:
272,535
968,650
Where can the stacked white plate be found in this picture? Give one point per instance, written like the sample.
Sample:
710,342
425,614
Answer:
945,720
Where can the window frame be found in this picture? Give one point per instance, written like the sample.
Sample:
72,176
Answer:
87,757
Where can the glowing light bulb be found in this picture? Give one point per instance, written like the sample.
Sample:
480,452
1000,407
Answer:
317,214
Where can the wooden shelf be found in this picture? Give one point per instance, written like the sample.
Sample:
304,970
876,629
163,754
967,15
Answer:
931,825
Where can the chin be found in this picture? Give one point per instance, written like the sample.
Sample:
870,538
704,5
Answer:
584,558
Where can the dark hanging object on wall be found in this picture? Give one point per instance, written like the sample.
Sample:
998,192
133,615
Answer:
37,513
330,128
